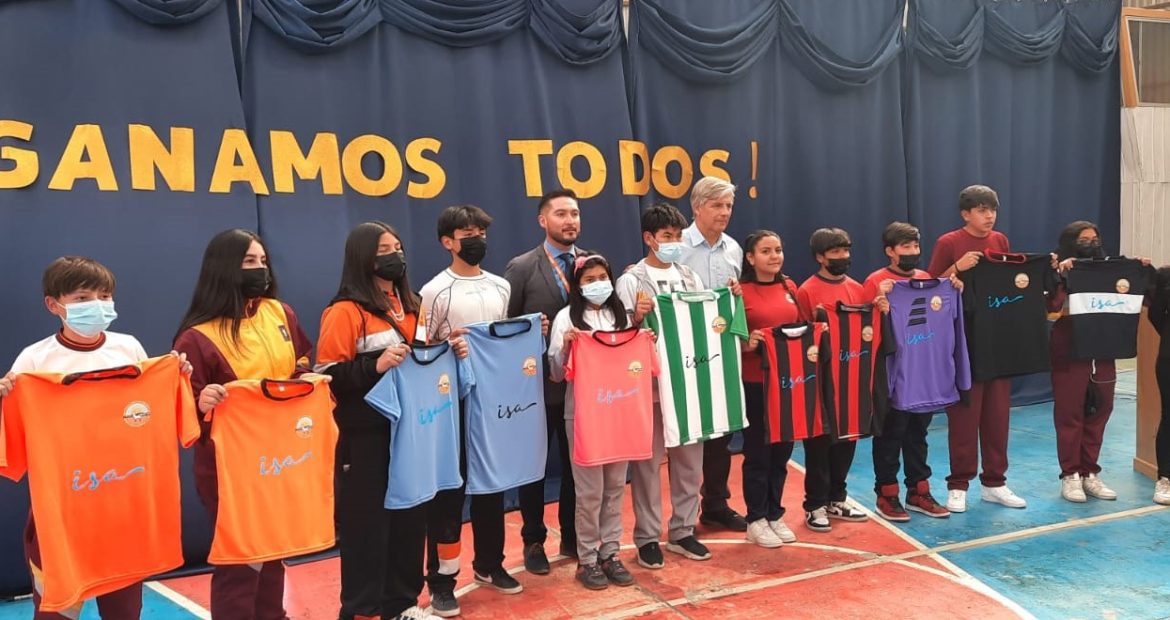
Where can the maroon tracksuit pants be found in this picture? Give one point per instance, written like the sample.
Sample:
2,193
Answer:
979,429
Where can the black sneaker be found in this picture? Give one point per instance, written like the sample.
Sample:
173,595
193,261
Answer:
650,556
591,576
500,581
689,548
444,604
727,519
535,561
842,512
616,572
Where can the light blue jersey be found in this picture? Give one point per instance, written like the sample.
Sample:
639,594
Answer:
421,397
507,443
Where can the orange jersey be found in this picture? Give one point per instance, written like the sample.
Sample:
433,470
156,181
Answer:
102,460
274,451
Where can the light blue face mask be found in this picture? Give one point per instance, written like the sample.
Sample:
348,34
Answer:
669,252
89,318
597,292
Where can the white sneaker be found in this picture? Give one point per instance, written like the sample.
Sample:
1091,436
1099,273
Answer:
759,533
415,613
782,532
957,500
1096,488
1003,495
1072,488
1162,491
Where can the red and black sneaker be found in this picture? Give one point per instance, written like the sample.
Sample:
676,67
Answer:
888,505
919,499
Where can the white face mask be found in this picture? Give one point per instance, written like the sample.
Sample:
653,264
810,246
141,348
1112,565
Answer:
89,318
597,292
669,252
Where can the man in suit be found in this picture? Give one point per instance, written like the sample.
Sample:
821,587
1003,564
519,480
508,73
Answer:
540,283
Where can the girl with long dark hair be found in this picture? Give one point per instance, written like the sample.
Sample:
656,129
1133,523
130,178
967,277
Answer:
593,306
368,329
236,328
769,300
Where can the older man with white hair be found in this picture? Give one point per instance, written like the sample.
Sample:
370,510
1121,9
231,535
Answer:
718,259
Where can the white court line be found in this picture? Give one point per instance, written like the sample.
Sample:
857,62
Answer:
187,604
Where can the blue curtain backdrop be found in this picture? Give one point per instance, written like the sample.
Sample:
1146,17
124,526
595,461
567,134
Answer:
815,82
1023,96
155,63
472,77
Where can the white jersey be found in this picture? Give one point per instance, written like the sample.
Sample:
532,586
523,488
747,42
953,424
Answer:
55,354
700,384
452,301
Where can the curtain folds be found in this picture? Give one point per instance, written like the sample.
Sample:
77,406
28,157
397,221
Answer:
321,25
169,12
1083,32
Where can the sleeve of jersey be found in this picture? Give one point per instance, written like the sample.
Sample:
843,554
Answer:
627,292
962,360
828,390
187,421
562,372
384,397
436,312
804,302
467,379
655,366
739,318
337,352
13,455
1160,300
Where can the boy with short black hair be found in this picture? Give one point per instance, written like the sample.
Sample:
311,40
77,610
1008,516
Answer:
661,272
460,295
827,460
80,292
903,435
978,426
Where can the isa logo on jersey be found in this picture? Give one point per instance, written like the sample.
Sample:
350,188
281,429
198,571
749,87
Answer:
529,366
136,414
304,427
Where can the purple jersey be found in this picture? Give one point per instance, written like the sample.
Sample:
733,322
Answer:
930,365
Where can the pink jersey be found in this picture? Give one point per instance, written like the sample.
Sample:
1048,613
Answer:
613,419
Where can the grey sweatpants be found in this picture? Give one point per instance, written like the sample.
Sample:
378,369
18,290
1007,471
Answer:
686,476
599,506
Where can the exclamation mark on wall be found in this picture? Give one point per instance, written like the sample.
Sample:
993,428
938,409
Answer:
752,192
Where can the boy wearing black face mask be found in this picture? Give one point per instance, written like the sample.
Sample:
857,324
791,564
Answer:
827,461
903,436
460,295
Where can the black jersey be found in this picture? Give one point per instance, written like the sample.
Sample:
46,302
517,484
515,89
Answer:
1104,305
1006,311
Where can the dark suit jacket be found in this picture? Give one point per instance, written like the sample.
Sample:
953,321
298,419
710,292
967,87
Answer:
534,289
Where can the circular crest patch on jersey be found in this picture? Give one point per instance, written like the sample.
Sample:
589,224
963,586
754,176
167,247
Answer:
867,333
136,414
444,384
529,366
1022,280
936,303
719,325
304,427
635,368
1123,286
812,353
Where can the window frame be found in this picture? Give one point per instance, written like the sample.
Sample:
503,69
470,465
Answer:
1129,89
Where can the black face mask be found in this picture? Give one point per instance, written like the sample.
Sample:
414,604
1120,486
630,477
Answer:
472,250
390,266
838,266
1089,249
254,282
908,262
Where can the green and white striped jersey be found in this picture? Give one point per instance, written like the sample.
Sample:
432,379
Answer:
700,386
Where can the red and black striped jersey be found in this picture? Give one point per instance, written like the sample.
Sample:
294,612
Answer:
856,343
798,385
